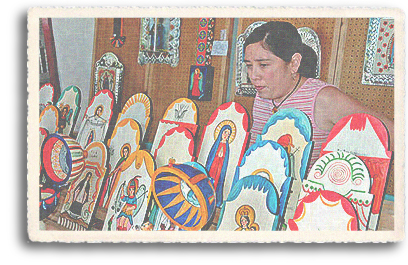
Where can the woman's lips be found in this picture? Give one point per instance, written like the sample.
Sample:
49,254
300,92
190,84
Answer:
259,88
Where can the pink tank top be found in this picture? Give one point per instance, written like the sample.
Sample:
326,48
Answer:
303,99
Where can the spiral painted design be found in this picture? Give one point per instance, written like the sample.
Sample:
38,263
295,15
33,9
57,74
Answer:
338,173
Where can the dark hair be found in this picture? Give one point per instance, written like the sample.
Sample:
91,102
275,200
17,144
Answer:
283,40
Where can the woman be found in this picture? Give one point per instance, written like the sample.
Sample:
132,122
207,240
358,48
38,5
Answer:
282,69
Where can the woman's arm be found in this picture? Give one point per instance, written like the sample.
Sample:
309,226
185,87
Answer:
332,104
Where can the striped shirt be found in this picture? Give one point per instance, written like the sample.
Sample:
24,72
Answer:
303,99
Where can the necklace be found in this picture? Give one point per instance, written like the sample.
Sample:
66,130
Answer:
275,108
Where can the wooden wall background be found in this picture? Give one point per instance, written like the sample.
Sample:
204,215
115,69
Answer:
343,46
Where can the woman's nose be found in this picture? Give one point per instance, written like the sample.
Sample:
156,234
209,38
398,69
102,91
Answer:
254,73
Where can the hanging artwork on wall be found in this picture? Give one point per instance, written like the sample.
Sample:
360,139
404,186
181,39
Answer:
81,196
117,40
109,75
345,174
185,195
205,39
242,81
49,119
137,107
176,146
223,144
292,129
372,148
127,209
68,105
324,210
378,66
46,96
159,41
124,142
97,118
252,205
201,82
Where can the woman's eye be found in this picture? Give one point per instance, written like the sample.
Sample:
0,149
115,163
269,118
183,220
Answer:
264,65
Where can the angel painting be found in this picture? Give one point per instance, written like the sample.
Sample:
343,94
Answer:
131,203
217,160
245,219
93,128
64,118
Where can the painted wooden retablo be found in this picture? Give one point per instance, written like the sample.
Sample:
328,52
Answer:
137,107
292,129
324,210
109,75
68,105
270,160
49,119
128,206
185,195
181,113
366,137
83,192
223,144
345,174
97,118
46,96
176,146
252,205
125,141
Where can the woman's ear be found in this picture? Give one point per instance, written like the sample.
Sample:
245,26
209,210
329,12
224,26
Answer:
295,62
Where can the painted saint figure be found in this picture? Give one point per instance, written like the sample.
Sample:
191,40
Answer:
110,181
64,118
125,218
217,161
245,217
196,84
80,196
93,129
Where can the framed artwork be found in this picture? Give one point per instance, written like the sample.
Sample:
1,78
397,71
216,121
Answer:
97,118
159,41
109,75
201,82
378,66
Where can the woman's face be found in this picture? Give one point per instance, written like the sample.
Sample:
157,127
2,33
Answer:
244,221
225,134
270,75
